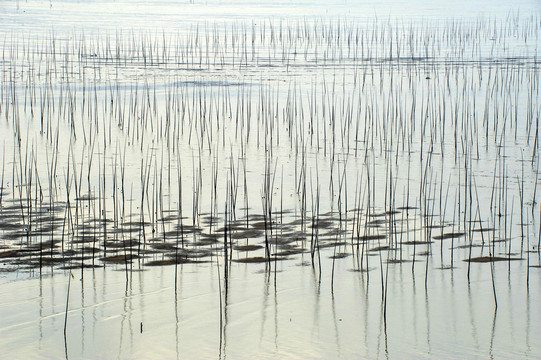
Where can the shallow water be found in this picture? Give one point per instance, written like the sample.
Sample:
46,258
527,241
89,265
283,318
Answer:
355,181
290,313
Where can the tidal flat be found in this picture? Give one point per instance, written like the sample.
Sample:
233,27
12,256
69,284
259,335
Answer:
269,180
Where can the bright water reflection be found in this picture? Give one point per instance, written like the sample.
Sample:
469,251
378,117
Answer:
289,313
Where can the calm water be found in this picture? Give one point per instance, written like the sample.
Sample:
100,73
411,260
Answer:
270,179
